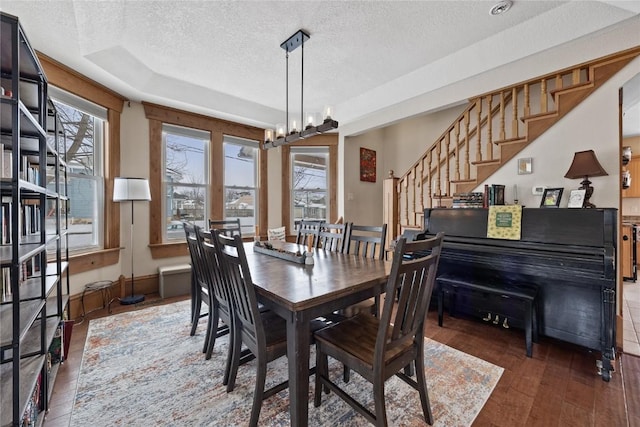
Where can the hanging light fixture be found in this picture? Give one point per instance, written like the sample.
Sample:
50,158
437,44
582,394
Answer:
294,130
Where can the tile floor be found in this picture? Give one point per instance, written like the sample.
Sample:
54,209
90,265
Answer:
631,318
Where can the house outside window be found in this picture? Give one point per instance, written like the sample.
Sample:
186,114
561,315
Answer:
83,123
186,175
241,182
309,184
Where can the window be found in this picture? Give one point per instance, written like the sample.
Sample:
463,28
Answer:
186,174
83,123
240,182
309,184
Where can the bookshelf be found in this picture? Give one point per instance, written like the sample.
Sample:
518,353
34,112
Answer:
33,241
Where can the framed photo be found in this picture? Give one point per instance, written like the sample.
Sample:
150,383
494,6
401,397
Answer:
551,197
525,166
576,198
367,165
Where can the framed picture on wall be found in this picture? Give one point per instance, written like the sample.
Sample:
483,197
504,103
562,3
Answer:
525,166
551,197
367,165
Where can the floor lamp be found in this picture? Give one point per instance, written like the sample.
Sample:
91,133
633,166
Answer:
131,190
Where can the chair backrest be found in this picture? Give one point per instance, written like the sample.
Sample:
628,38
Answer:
333,237
241,289
367,241
229,227
412,277
195,253
213,269
306,228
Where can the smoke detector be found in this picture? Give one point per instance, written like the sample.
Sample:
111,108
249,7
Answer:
500,7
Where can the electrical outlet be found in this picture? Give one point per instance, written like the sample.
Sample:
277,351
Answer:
537,190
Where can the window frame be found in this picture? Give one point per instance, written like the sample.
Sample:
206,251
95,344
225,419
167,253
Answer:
233,140
324,150
157,115
75,83
97,113
195,134
329,140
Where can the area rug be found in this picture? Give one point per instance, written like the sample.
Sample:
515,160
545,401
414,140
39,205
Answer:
143,369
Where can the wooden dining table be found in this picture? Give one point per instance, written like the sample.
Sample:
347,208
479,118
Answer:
300,293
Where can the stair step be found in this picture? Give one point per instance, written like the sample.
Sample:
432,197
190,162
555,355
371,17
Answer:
511,140
572,88
486,162
539,116
462,181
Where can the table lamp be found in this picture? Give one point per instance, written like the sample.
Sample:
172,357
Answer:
584,165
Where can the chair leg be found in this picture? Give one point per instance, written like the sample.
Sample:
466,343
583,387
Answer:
378,398
258,394
422,388
212,330
196,315
235,359
321,372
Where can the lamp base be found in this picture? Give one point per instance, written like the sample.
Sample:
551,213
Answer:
131,299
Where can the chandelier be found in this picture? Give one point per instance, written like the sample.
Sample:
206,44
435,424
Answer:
294,131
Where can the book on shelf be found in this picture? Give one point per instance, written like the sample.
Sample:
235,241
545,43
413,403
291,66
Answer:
6,163
493,195
468,200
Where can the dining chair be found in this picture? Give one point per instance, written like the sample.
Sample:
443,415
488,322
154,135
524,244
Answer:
264,333
221,305
201,291
228,226
367,240
306,228
379,348
333,237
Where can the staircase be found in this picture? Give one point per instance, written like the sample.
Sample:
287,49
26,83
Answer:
493,129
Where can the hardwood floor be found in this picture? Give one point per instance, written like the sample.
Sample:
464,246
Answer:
558,386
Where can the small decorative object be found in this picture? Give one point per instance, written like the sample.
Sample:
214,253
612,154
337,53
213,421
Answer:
367,165
584,165
551,197
626,155
525,166
515,194
308,258
504,222
626,180
576,198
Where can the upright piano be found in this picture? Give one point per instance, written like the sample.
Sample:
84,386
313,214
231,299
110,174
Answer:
569,254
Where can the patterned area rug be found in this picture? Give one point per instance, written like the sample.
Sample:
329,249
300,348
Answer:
143,368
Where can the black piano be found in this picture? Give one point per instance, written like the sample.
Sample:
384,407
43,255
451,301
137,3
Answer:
568,254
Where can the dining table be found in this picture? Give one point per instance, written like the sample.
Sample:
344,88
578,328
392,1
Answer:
300,293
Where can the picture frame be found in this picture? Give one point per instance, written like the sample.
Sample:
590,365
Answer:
551,197
525,166
576,198
367,165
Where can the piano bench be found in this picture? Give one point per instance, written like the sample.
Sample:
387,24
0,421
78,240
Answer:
524,296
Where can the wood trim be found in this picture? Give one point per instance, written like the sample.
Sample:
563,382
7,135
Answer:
93,260
70,80
168,250
158,115
155,182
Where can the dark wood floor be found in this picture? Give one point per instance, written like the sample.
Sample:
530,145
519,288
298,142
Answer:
558,386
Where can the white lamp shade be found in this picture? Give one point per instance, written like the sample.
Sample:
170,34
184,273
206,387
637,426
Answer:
130,189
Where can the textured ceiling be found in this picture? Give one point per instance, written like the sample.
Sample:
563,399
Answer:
224,59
